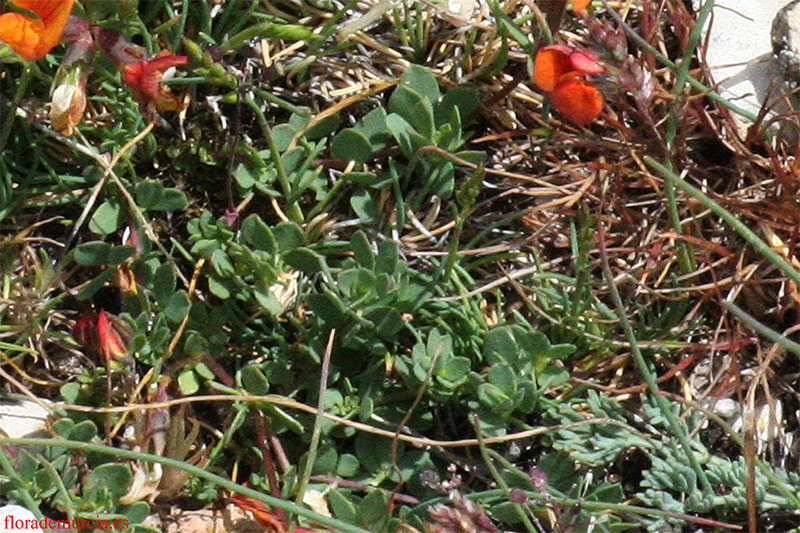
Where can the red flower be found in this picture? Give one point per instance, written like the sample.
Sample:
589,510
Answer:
103,335
144,79
560,72
32,38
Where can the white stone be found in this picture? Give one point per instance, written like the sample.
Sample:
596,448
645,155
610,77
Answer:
22,417
13,516
739,53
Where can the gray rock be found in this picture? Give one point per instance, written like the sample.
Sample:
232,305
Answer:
786,42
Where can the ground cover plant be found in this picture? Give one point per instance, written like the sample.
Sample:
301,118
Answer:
416,266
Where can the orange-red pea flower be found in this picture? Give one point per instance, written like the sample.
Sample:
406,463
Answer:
262,514
32,38
580,5
103,334
561,73
144,78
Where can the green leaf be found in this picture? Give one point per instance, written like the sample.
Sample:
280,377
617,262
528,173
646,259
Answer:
351,145
91,288
164,283
113,478
70,391
466,99
96,253
422,81
148,193
362,251
361,178
401,131
222,264
455,369
305,260
323,128
83,431
93,253
415,108
388,322
364,205
288,235
171,200
372,510
137,512
476,157
118,254
388,256
342,507
283,135
329,308
254,381
177,307
256,233
348,465
106,218
188,383
218,287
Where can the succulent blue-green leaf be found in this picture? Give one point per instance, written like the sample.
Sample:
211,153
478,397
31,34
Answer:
329,308
422,81
288,235
323,128
91,288
502,375
401,131
362,251
351,145
283,134
465,99
372,510
171,200
476,157
114,478
118,254
218,287
360,178
137,512
305,260
454,369
415,108
188,382
222,263
364,205
388,256
342,507
106,218
388,322
148,193
254,381
347,466
93,253
258,234
177,306
164,283
82,431
268,301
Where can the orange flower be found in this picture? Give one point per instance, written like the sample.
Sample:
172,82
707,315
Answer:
32,38
580,5
144,78
560,72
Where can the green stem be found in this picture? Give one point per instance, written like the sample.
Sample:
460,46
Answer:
12,111
21,486
747,234
294,211
787,344
497,477
674,424
190,469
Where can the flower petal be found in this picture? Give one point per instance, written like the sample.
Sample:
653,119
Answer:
585,63
577,99
580,5
551,63
34,38
22,33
